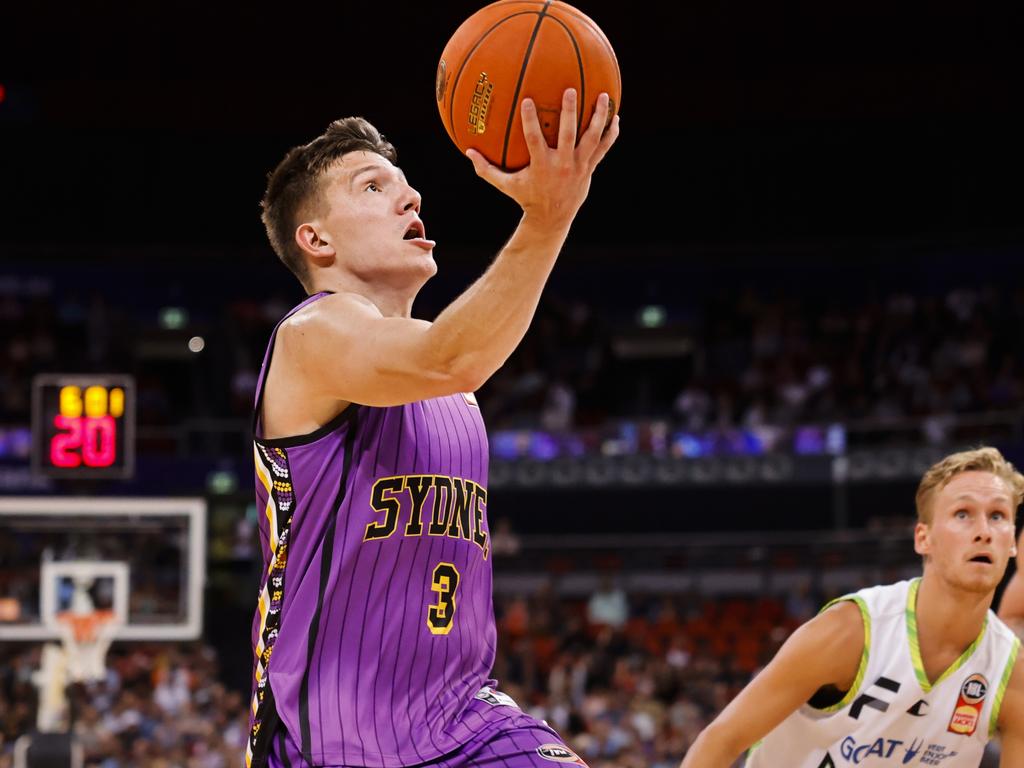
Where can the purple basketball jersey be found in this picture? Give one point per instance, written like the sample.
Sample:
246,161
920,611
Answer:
375,623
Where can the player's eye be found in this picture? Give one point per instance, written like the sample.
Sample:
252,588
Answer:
998,515
961,514
373,186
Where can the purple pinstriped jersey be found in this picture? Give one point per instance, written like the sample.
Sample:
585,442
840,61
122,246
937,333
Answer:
375,624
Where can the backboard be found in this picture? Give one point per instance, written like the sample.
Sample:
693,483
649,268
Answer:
143,559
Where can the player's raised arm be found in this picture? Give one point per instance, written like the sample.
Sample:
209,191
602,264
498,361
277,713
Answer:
826,651
349,350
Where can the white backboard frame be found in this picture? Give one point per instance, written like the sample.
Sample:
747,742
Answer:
122,507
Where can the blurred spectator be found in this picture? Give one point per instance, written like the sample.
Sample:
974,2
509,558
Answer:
504,541
894,365
608,605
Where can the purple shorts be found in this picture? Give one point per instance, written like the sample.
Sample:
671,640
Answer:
519,741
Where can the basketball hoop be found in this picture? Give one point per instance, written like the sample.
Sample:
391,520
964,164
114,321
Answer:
86,638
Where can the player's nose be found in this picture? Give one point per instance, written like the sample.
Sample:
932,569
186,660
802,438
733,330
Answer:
983,532
410,199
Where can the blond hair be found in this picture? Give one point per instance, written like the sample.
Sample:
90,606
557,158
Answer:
976,460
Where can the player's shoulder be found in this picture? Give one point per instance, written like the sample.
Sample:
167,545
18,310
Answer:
827,649
329,307
885,601
333,315
1001,630
842,621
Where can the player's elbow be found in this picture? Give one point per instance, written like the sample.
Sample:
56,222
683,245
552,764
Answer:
438,378
469,374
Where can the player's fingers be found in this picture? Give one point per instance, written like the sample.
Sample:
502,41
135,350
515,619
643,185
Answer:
485,170
567,121
607,140
591,139
535,142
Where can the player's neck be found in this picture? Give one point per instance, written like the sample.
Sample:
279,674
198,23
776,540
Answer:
952,614
392,301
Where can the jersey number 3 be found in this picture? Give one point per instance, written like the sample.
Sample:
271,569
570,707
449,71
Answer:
441,615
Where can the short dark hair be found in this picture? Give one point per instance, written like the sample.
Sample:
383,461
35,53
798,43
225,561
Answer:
295,183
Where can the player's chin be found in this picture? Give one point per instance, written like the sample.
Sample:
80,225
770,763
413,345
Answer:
422,266
983,582
427,264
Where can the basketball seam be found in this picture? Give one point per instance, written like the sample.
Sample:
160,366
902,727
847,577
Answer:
598,34
570,11
519,83
462,65
582,100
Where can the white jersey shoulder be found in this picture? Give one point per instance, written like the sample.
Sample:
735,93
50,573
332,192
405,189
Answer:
893,714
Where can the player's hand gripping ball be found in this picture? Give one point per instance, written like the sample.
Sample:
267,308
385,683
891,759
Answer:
515,49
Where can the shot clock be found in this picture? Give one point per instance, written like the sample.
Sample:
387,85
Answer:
83,426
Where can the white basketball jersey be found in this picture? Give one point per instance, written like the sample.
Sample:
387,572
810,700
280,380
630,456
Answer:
892,714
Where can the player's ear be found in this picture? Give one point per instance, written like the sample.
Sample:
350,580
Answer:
922,545
313,241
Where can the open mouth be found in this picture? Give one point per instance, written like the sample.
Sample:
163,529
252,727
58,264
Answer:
414,231
982,559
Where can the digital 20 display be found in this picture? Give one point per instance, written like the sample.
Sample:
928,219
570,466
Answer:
83,425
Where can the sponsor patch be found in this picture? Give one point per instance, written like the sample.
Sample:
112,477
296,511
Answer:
967,711
559,753
496,698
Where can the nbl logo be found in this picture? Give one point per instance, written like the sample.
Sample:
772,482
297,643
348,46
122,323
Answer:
974,689
967,713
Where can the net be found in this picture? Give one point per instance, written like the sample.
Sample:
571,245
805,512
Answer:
86,638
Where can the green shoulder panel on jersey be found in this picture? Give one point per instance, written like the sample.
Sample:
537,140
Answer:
997,704
863,667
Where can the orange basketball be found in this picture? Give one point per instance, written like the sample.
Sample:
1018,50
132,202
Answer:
514,49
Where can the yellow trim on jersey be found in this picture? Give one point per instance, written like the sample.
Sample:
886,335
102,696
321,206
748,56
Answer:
997,703
863,668
271,510
750,752
915,648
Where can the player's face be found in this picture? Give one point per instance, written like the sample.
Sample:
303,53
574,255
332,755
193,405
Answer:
373,220
971,536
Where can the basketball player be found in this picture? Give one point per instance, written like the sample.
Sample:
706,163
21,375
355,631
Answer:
919,672
375,631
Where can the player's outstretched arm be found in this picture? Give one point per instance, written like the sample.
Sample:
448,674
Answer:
347,350
1011,605
1011,720
825,651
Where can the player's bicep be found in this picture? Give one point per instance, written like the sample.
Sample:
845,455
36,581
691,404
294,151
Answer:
346,350
827,650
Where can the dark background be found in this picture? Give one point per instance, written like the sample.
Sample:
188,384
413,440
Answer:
742,124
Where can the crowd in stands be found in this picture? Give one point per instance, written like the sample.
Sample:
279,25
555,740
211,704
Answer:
747,357
159,706
629,680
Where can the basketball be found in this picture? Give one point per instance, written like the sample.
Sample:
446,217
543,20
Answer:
515,49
